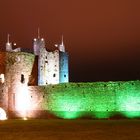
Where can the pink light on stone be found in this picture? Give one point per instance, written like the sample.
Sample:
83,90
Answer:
2,114
22,101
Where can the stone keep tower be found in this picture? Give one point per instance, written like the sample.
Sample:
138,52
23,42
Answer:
48,63
8,44
39,51
38,44
63,64
18,70
52,66
15,70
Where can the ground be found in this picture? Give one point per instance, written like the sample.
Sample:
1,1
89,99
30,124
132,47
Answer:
70,130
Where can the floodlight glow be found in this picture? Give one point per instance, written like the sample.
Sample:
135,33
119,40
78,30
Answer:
25,119
22,104
2,78
95,100
2,114
130,105
14,44
56,45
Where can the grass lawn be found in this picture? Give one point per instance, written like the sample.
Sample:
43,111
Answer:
70,130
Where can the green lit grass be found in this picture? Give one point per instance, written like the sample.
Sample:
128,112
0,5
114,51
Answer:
70,130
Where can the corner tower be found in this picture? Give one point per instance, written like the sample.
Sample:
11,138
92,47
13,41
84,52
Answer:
40,53
8,44
38,43
63,64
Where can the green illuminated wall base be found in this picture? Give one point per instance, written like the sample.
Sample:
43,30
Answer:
94,100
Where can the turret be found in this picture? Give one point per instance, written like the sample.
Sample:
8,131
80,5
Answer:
38,44
8,44
63,64
61,46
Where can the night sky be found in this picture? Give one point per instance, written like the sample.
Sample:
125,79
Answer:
101,36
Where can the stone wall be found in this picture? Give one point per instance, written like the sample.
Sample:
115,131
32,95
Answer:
48,67
3,96
3,89
52,67
42,67
94,100
64,68
2,62
69,100
18,70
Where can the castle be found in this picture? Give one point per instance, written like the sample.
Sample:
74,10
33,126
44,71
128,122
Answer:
52,67
35,84
20,69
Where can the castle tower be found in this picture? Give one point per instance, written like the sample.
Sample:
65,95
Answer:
8,44
63,64
52,67
40,52
38,43
61,46
48,67
41,66
18,70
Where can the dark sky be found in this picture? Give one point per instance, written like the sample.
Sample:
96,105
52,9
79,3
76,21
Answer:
101,36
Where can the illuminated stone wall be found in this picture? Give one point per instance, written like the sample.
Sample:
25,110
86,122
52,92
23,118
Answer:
3,96
95,100
64,68
52,67
3,88
48,67
69,100
18,70
37,44
42,67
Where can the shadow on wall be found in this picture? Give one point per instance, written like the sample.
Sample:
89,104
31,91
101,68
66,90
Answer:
33,78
